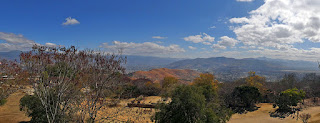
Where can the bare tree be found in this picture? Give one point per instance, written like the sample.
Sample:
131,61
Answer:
70,82
52,72
100,76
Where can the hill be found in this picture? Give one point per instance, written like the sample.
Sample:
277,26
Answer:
228,69
157,75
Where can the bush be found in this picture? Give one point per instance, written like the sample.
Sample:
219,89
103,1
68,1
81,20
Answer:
33,108
189,105
2,102
243,99
289,98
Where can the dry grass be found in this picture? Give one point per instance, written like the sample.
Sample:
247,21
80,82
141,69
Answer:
262,116
122,113
10,111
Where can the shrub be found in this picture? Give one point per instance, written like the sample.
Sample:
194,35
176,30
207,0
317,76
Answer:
2,102
189,105
289,98
244,98
33,108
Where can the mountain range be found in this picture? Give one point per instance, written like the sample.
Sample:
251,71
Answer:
225,69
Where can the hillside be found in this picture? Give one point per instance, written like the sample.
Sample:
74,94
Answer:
156,75
228,69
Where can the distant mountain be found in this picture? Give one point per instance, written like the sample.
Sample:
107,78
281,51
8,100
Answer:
11,55
136,63
228,69
157,75
294,64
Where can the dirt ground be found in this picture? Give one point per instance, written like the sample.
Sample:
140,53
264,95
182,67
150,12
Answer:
262,116
10,111
124,114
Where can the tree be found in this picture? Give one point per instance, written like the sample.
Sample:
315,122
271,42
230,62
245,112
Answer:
255,81
244,98
168,84
288,81
209,85
34,109
100,75
289,98
66,80
189,105
52,72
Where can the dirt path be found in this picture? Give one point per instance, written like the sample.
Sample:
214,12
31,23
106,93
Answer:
10,111
262,116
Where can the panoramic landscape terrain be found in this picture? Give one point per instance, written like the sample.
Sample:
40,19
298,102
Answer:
160,61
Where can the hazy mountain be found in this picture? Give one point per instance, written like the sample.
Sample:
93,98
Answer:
294,64
230,68
136,63
11,55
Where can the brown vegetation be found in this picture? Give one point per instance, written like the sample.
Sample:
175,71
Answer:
157,75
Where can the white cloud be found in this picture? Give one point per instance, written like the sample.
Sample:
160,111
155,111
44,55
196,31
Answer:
225,42
202,38
15,42
311,54
146,48
280,24
245,0
192,48
70,21
51,45
213,27
159,37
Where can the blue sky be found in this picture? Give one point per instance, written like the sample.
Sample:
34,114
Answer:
165,28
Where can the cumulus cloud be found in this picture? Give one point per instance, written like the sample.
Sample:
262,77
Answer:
192,48
245,0
225,42
202,38
280,23
159,37
15,42
70,21
146,48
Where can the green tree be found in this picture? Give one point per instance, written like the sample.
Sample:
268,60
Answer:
244,98
289,98
168,85
33,108
189,105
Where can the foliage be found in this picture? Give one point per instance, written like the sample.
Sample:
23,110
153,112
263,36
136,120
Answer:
150,89
289,98
255,81
169,82
189,105
33,108
244,98
2,101
168,85
208,84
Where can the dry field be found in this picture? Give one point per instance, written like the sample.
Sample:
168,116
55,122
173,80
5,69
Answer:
262,116
10,113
